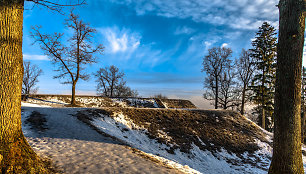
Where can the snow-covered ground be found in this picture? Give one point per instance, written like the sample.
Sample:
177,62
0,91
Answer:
197,161
76,148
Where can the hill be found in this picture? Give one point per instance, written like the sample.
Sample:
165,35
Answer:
203,140
98,101
188,139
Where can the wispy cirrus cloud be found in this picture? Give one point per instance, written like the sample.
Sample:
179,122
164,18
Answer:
34,57
126,45
164,78
120,40
237,14
183,30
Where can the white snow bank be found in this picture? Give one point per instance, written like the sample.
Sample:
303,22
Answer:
34,105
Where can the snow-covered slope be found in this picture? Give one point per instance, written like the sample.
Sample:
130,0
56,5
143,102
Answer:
75,148
245,148
192,141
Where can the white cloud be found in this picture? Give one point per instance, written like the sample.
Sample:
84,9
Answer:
183,30
121,40
210,40
125,45
237,14
34,57
224,45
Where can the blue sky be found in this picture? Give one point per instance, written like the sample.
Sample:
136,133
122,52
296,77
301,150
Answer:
159,44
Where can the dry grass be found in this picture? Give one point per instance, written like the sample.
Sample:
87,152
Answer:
216,129
98,101
178,103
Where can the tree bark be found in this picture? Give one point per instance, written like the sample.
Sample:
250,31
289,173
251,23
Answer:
243,100
287,155
16,156
263,116
73,94
217,90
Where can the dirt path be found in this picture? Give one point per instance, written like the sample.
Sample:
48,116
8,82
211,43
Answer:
76,148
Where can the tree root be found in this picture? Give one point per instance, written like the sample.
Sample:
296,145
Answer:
18,157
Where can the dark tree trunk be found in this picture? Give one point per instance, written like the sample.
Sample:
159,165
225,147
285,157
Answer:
263,116
287,155
217,90
243,100
73,94
16,156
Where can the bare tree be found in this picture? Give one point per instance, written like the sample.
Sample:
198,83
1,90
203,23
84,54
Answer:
111,83
213,65
124,91
16,156
245,69
287,151
55,6
30,78
228,92
71,59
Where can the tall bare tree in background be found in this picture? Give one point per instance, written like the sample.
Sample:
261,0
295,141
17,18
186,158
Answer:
245,70
228,92
213,65
111,83
72,59
30,78
287,152
16,156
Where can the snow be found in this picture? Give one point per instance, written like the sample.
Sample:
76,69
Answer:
33,105
76,148
197,161
96,102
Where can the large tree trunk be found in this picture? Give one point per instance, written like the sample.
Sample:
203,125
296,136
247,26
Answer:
16,156
287,155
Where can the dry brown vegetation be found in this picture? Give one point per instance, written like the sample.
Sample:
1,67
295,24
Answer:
99,101
178,103
212,130
216,129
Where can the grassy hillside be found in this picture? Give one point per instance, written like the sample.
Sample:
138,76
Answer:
211,131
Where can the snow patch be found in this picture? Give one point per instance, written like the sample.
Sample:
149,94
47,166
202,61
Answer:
197,161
